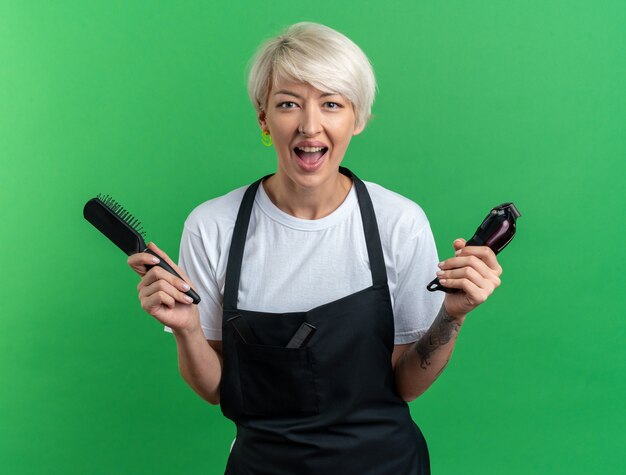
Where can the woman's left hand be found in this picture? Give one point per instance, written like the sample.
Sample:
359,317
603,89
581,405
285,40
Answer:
475,271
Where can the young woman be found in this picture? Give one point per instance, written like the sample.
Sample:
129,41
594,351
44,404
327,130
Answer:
314,246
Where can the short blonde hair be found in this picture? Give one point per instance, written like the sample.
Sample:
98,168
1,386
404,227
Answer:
317,55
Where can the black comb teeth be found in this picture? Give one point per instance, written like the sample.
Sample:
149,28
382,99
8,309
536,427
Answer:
120,211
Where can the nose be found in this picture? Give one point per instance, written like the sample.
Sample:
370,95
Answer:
310,122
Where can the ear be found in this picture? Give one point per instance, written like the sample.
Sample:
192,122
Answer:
358,130
261,120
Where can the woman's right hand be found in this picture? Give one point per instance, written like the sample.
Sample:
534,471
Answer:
162,294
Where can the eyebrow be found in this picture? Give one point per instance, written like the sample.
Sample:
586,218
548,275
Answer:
291,93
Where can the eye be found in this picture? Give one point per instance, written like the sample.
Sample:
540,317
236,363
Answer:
333,105
287,105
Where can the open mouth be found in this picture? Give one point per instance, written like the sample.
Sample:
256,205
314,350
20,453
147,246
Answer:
310,155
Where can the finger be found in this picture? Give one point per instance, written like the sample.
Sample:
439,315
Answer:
485,254
458,244
469,261
488,283
162,286
153,247
140,260
474,294
154,302
158,274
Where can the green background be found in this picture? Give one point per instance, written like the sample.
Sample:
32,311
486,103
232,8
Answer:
480,102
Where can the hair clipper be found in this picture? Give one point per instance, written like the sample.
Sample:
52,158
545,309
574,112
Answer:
496,231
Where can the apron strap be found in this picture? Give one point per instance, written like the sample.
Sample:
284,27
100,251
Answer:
370,228
237,245
238,242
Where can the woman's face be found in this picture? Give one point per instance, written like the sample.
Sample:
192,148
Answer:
310,129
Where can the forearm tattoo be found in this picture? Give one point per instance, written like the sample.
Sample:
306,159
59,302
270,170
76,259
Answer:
440,332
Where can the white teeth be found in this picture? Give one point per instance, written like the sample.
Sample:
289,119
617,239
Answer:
311,149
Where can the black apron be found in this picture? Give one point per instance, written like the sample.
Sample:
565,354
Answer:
330,407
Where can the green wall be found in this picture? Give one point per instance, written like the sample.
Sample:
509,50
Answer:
480,102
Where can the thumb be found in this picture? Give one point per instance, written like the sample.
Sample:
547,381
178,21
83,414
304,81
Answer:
458,244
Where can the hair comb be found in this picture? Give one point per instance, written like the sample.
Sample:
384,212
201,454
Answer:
124,230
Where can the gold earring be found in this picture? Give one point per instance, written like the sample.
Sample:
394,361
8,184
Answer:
266,138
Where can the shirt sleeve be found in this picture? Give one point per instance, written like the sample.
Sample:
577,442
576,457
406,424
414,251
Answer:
415,308
194,261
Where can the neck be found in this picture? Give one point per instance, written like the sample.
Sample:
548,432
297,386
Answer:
307,202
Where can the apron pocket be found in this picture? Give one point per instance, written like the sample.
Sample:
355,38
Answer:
277,381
